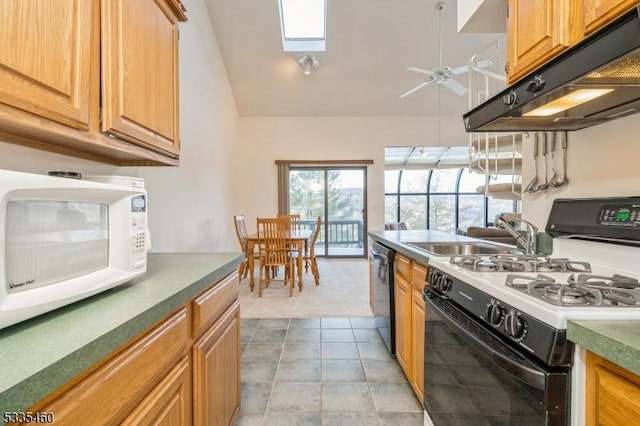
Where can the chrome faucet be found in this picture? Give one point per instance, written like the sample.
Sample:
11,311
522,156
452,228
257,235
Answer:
529,243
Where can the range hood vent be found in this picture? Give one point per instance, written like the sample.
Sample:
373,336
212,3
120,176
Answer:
605,67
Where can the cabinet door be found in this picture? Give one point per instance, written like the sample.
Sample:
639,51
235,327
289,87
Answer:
169,403
49,58
598,13
140,73
613,393
417,343
216,371
116,389
537,30
403,322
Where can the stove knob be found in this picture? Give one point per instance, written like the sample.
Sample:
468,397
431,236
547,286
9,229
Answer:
432,276
446,284
495,313
515,325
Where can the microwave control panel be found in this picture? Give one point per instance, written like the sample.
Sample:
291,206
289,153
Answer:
627,215
138,232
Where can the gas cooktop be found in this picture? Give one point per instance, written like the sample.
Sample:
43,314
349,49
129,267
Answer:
519,263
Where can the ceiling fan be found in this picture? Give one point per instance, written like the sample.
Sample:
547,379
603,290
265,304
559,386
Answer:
444,74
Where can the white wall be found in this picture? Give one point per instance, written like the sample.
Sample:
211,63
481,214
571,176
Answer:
191,206
602,161
266,139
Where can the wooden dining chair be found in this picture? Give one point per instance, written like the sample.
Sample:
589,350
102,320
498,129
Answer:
241,233
274,240
294,220
310,259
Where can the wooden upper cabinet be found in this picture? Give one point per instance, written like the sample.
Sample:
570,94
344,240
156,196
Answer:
49,60
140,73
537,30
598,13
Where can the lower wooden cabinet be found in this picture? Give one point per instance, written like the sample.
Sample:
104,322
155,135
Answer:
169,403
119,387
417,343
185,370
410,316
613,393
216,372
403,323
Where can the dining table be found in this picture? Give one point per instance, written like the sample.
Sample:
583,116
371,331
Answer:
299,238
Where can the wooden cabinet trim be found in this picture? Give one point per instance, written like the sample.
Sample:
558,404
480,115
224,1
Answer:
418,276
403,266
216,371
403,323
211,304
22,128
169,402
613,393
598,13
417,343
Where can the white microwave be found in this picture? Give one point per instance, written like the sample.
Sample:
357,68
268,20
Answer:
62,240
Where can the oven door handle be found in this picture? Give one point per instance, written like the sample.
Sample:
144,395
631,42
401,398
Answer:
529,374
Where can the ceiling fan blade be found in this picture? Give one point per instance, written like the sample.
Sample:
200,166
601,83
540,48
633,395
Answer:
418,87
465,68
458,88
421,71
483,63
460,70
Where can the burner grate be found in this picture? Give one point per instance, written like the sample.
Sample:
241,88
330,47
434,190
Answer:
519,263
580,290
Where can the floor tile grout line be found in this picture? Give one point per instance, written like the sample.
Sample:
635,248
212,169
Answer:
322,412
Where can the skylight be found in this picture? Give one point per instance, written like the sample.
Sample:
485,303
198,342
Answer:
303,25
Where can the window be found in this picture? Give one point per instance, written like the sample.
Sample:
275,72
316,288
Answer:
303,25
442,199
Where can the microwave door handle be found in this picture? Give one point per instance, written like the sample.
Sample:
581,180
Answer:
530,376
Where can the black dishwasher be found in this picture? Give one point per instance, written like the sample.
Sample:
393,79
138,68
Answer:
382,300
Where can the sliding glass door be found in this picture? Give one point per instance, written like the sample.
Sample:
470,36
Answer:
338,194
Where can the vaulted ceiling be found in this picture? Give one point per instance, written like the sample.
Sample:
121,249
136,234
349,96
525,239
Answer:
370,43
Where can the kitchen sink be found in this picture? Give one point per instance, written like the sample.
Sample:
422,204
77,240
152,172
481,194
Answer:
460,248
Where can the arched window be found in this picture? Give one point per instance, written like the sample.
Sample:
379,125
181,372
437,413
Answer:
442,199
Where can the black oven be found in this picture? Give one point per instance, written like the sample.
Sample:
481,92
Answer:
474,376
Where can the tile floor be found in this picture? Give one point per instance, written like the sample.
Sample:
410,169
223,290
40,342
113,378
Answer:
321,371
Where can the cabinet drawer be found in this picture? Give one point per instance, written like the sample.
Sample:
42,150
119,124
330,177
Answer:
212,303
115,389
418,276
403,266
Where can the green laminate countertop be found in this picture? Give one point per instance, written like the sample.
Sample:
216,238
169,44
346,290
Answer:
41,354
618,341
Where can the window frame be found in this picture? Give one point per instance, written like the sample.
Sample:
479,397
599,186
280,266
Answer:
398,197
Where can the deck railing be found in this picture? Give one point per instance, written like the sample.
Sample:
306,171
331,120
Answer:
341,232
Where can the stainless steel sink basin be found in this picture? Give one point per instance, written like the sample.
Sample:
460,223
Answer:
459,248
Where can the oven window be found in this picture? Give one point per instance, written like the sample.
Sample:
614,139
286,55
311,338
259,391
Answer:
463,387
52,241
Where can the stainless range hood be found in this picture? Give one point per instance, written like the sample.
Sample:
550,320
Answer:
604,68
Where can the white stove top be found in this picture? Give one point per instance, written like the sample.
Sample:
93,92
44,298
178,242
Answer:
605,259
